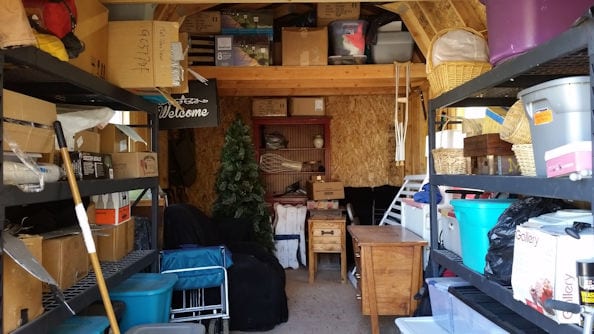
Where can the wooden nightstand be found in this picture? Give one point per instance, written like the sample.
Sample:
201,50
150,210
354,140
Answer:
326,236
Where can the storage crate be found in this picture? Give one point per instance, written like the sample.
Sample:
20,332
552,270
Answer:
147,297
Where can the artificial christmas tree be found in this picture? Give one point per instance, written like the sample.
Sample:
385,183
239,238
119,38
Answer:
239,189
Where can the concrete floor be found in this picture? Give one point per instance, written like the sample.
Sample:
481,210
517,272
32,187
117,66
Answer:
326,306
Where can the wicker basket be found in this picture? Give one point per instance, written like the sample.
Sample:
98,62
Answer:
449,161
451,74
516,128
525,157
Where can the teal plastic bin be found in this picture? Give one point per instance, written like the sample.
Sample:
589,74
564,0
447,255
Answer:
168,328
475,218
147,297
82,325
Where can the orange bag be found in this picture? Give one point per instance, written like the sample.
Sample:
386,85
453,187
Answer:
15,29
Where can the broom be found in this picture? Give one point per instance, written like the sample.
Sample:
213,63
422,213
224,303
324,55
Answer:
83,222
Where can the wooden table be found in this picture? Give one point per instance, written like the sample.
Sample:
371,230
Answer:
326,236
389,269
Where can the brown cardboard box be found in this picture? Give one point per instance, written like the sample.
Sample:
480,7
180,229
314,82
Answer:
115,241
139,53
113,140
112,208
17,106
328,12
486,144
325,190
306,106
134,164
304,46
91,29
66,259
87,141
269,106
206,22
21,292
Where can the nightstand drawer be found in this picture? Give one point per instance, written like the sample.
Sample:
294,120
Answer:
326,232
327,247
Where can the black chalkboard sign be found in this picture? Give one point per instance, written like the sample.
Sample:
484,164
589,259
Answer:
201,108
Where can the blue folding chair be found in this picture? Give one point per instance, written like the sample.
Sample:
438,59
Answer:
199,269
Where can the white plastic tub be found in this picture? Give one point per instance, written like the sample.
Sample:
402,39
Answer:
419,325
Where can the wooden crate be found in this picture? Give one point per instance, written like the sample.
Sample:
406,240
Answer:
486,144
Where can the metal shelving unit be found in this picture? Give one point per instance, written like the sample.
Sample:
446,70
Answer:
571,53
33,72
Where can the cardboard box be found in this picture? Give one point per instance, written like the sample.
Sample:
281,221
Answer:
246,21
18,107
325,190
116,241
21,292
66,259
307,106
205,22
139,53
112,208
328,12
202,50
544,266
269,107
113,140
252,49
224,50
89,166
87,141
135,164
91,29
304,46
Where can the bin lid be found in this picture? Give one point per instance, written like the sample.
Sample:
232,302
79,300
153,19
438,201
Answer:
144,284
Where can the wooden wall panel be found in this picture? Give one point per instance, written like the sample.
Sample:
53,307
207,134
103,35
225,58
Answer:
362,143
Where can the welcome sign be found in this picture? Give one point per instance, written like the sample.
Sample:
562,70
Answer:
200,108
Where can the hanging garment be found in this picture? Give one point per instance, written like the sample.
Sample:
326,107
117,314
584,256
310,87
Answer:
290,234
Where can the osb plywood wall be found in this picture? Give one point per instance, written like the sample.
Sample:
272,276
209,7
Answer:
362,143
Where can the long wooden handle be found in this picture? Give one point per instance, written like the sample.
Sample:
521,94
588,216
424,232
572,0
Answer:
83,222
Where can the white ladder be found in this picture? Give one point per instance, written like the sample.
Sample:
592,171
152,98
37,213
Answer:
411,185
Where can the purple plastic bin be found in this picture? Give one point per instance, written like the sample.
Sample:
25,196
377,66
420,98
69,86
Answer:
515,26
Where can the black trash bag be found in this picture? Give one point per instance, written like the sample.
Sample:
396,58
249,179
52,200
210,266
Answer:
500,255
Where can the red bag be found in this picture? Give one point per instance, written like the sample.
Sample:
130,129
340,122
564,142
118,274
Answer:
57,17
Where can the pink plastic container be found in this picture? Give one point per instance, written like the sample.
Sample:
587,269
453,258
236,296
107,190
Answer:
515,26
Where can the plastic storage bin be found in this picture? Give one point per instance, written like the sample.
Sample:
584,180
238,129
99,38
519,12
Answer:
147,297
392,46
559,114
441,299
418,325
348,37
476,217
168,328
517,26
82,325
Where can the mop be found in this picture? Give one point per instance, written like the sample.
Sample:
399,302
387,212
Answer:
83,222
400,126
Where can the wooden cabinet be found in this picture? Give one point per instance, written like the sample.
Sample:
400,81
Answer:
326,236
389,261
302,160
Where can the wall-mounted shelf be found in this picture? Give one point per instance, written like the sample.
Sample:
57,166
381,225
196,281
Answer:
368,79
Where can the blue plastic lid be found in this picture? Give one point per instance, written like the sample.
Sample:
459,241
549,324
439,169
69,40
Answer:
144,284
481,203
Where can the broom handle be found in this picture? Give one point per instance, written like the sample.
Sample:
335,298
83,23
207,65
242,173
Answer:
83,222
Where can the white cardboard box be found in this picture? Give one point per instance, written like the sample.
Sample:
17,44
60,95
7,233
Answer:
544,266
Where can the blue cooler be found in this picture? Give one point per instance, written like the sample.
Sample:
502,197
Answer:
147,297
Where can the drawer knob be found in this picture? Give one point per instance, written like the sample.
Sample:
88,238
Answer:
331,232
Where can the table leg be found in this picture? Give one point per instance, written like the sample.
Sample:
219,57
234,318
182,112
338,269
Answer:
369,278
